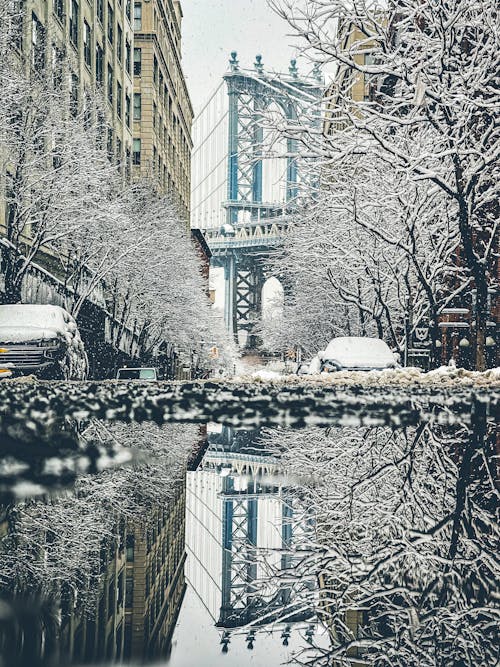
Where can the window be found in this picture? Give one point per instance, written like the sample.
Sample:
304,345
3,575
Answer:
111,19
128,58
119,43
136,152
127,110
137,106
73,22
118,150
160,86
37,43
111,598
155,70
57,66
119,598
10,197
99,63
87,110
73,95
110,84
130,548
87,39
137,62
154,114
127,162
119,103
128,10
137,16
129,590
59,9
110,144
100,11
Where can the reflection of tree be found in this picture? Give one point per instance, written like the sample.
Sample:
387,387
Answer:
406,546
73,548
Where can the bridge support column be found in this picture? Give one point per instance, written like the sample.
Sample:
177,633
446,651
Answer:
230,293
249,283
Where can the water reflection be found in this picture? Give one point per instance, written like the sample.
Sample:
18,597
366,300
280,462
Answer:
98,576
343,545
241,534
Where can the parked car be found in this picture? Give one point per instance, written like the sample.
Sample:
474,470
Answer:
356,353
43,340
137,374
5,368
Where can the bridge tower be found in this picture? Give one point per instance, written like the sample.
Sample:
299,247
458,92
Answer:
262,180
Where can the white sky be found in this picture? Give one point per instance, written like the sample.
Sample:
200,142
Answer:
213,28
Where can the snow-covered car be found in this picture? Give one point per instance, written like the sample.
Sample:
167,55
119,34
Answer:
137,374
43,340
354,353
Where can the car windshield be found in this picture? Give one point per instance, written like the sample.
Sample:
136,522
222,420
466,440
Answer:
137,374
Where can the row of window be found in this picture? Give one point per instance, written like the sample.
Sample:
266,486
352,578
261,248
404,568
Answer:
59,11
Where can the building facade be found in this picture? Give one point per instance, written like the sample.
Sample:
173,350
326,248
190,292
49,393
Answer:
130,52
162,111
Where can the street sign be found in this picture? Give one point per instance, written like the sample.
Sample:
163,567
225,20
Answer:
420,338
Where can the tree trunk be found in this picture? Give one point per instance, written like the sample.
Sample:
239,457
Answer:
481,321
13,281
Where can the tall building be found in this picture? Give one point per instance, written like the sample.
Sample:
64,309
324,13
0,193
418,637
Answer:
162,111
92,45
348,83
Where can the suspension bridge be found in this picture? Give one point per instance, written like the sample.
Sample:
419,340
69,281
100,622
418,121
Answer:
248,177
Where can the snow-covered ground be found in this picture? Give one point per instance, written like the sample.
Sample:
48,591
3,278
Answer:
448,376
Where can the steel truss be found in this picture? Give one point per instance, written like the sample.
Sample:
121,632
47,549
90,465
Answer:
251,94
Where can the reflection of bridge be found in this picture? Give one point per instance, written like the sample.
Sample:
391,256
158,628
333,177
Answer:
247,178
239,531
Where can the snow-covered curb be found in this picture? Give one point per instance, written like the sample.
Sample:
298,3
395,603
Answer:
445,376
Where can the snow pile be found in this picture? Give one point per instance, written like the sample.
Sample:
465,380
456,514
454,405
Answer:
264,374
446,376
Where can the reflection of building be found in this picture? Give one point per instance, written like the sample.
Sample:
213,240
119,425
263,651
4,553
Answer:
154,580
351,627
141,587
238,527
98,634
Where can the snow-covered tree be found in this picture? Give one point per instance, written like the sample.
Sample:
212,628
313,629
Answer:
369,256
57,175
428,117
